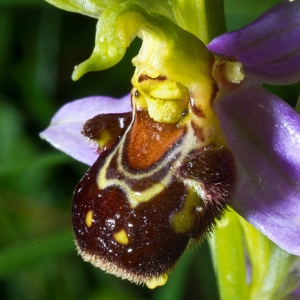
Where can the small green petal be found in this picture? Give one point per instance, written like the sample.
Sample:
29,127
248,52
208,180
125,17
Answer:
166,47
204,18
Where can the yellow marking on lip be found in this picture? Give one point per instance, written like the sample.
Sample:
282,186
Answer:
121,237
157,281
89,218
104,139
182,220
135,198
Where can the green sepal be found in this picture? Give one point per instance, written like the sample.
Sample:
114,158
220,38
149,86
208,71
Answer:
227,250
273,270
248,264
204,18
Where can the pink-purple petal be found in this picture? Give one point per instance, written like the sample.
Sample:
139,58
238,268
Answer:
263,133
269,48
64,131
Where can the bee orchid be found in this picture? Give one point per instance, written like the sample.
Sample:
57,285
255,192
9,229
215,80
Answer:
196,134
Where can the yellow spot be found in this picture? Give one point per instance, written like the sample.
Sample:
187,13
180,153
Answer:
121,237
104,139
157,281
182,220
89,218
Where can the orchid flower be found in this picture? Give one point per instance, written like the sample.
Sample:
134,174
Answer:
197,134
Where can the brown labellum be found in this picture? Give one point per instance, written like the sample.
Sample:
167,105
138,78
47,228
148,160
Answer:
149,246
151,193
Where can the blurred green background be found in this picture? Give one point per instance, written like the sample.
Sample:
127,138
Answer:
39,46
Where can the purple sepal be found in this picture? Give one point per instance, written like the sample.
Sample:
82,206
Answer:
269,48
263,133
64,131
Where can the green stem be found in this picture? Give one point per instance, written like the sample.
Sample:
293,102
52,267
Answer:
228,254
